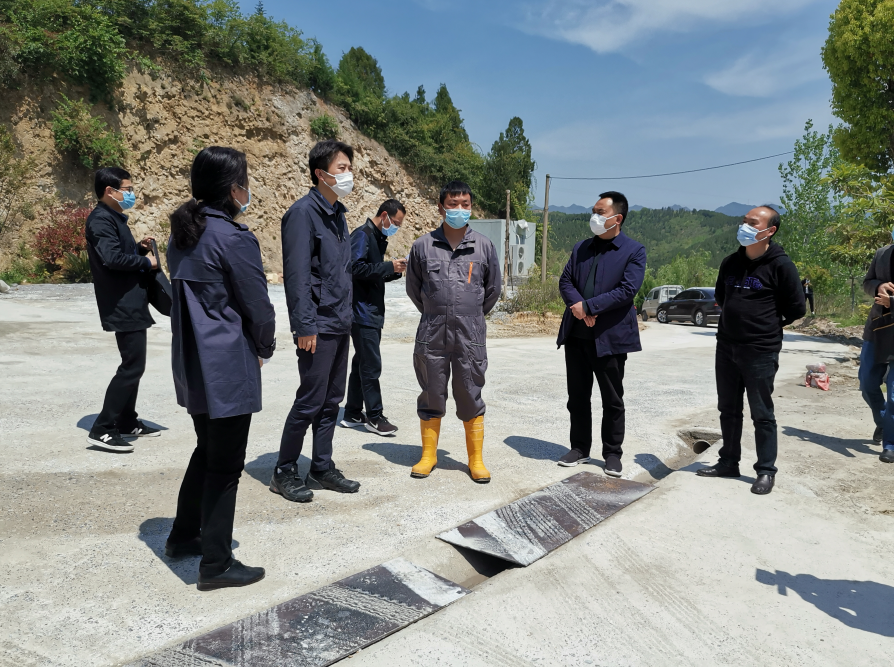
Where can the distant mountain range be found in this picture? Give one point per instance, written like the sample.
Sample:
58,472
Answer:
734,209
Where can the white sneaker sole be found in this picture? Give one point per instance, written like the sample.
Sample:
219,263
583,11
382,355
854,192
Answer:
347,424
141,435
109,447
565,464
612,473
372,429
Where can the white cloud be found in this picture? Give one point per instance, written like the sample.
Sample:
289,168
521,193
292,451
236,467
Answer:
763,73
609,25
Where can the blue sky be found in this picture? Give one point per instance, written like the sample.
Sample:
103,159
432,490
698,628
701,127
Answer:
607,87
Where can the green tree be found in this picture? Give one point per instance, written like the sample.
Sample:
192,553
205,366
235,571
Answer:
866,220
859,56
360,88
509,166
14,174
811,202
691,270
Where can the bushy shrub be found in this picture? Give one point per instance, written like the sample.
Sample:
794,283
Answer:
76,267
78,131
64,234
324,126
535,296
14,173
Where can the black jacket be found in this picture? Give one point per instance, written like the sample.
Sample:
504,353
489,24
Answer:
316,256
371,272
758,297
120,272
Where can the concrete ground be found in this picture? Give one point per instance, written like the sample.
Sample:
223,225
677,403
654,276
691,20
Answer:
698,572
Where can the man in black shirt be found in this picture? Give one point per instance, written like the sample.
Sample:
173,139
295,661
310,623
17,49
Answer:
370,272
759,292
120,271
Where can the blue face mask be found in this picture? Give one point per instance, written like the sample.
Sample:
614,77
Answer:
391,230
129,199
747,235
243,207
457,217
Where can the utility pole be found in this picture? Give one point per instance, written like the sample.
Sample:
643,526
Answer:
506,255
545,231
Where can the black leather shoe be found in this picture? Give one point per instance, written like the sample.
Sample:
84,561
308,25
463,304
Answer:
331,479
763,485
719,470
887,456
191,547
236,575
878,434
288,483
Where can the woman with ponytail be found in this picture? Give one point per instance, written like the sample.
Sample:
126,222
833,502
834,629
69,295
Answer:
223,329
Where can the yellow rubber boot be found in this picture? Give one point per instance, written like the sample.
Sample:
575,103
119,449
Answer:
474,447
431,429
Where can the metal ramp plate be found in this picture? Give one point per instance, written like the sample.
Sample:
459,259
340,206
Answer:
529,528
321,627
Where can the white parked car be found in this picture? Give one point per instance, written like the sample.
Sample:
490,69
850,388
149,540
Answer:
656,296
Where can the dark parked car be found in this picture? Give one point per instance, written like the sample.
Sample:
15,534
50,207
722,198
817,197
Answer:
696,305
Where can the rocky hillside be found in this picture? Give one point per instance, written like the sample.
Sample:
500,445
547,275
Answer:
166,121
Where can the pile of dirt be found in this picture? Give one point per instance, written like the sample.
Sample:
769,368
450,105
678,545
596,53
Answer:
825,328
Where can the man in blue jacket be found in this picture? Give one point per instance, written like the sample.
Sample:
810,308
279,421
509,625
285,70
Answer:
316,251
599,328
120,269
368,245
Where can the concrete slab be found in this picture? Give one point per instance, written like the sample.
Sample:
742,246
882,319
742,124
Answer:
531,527
321,627
83,578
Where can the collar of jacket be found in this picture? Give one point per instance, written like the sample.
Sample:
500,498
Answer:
122,216
438,235
209,212
378,232
324,205
615,241
774,250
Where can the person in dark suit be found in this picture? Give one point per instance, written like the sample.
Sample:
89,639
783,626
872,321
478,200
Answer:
599,328
369,243
120,271
223,331
316,255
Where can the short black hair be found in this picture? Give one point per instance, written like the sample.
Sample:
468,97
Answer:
774,220
108,176
391,207
619,203
455,188
323,154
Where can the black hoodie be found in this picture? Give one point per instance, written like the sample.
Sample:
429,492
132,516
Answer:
758,298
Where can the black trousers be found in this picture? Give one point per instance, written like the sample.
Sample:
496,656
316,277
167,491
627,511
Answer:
581,364
809,298
366,369
323,375
740,370
119,407
206,505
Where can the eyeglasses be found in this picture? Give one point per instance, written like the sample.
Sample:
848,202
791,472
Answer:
129,188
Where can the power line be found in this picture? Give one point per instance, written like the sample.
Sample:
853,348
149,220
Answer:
671,173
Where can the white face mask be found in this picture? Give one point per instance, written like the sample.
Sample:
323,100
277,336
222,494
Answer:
344,183
597,223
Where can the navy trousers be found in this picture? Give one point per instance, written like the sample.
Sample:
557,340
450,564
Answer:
366,369
323,376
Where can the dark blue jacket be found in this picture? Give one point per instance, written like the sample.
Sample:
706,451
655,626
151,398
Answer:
371,272
316,256
120,271
619,275
221,320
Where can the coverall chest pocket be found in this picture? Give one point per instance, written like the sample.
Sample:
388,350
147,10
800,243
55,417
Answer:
470,275
433,277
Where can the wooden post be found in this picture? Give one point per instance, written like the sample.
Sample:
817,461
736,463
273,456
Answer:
506,255
545,232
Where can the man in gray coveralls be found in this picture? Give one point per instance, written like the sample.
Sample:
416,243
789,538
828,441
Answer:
453,278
